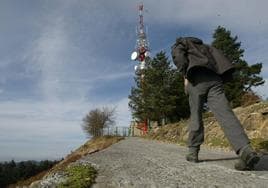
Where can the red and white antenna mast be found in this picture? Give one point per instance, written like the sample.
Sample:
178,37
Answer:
140,54
142,44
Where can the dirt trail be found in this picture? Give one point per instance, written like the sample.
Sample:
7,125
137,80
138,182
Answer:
136,162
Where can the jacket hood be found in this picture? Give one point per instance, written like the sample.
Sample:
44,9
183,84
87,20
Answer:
185,40
194,40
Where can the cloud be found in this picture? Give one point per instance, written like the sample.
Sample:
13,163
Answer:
262,90
123,113
238,14
64,58
38,130
25,139
66,64
47,56
68,54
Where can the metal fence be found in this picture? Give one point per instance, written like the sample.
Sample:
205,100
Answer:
112,131
116,131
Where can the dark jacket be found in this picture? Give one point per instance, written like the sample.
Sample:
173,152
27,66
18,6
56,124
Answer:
191,53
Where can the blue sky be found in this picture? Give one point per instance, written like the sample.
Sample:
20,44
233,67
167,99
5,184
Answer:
59,59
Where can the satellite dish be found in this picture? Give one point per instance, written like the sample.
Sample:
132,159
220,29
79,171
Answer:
147,54
134,56
142,65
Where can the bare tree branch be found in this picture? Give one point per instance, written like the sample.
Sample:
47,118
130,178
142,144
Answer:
96,120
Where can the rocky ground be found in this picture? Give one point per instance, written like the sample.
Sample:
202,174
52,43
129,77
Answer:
137,162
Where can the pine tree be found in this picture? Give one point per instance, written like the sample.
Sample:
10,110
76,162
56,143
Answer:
245,75
159,94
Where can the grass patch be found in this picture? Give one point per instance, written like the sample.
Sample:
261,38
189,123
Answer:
259,144
79,176
182,143
218,142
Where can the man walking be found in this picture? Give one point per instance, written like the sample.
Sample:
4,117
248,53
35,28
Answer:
205,69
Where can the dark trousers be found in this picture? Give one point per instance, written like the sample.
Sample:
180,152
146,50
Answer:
208,88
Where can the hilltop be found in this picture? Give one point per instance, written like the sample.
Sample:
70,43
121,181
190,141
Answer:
254,119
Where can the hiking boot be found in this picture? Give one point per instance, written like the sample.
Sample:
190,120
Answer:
248,159
192,157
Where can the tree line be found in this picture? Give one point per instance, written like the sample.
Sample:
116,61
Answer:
159,91
12,172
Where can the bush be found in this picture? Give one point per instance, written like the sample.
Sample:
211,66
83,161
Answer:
79,176
260,144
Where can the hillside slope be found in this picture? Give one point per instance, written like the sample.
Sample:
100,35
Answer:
57,174
254,119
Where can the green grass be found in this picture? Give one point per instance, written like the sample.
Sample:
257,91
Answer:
218,142
182,143
259,144
79,176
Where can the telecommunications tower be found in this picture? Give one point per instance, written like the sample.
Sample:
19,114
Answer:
140,54
142,44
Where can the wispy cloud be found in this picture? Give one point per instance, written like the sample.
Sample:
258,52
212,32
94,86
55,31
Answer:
40,130
263,90
64,58
68,68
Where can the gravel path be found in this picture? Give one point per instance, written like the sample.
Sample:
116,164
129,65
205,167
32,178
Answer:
136,162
